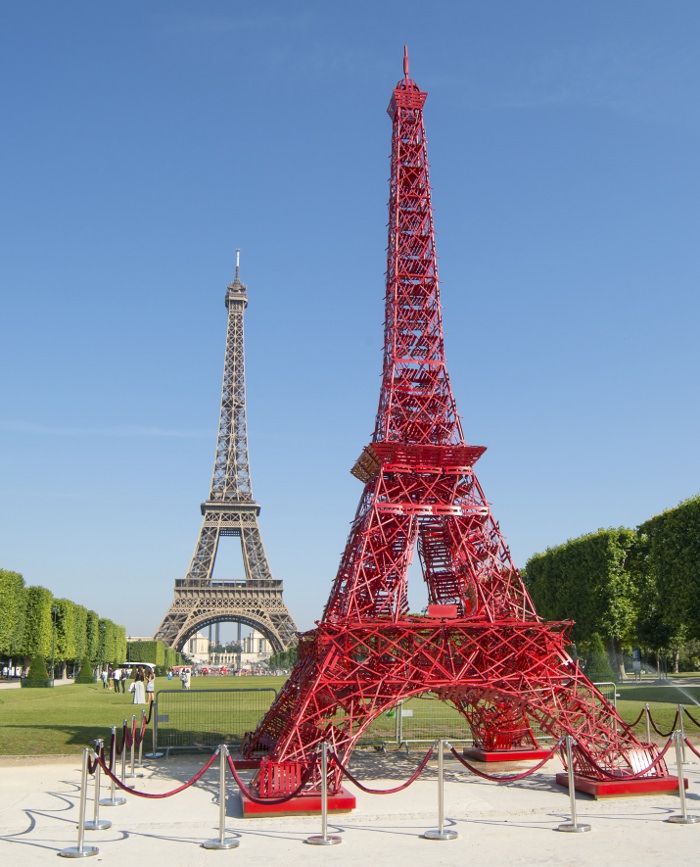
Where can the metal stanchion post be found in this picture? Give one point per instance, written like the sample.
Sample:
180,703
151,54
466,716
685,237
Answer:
97,824
684,818
648,715
143,735
681,711
324,839
441,833
222,842
81,851
573,825
154,716
113,800
124,773
132,773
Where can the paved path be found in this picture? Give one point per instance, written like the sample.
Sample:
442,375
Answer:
497,823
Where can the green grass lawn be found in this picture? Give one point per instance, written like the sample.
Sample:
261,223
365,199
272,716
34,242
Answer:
67,718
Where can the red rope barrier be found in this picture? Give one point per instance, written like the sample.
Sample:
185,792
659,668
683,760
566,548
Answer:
176,791
118,748
271,801
664,734
641,714
93,763
691,747
142,731
400,788
691,718
504,778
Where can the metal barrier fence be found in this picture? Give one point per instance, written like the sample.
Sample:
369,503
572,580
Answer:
609,691
425,718
420,719
190,719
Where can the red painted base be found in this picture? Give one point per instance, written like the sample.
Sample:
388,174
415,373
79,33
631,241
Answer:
527,754
618,788
302,805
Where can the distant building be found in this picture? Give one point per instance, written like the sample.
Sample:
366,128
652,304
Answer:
197,648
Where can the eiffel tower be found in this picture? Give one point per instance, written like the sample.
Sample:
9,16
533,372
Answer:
480,646
230,511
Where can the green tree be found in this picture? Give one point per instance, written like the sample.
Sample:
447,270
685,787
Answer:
667,559
12,611
38,624
597,666
92,636
588,580
37,676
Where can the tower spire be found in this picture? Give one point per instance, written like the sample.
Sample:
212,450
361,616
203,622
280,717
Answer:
230,510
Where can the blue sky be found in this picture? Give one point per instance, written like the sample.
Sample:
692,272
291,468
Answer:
144,142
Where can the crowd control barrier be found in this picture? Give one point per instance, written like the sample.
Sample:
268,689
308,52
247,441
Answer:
205,718
100,760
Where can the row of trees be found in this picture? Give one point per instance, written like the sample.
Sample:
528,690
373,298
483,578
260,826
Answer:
35,624
633,588
153,651
284,660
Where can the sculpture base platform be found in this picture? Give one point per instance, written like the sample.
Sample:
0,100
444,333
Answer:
622,787
477,754
301,805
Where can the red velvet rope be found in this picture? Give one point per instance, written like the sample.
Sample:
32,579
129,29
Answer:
92,763
504,778
176,791
142,730
691,718
612,776
691,747
119,748
400,788
273,801
664,734
641,714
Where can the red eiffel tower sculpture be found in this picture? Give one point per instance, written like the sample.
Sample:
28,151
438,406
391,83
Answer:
481,645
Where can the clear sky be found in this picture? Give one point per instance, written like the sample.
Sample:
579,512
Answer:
143,142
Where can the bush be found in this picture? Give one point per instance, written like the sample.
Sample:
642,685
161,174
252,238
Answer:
598,666
38,676
86,674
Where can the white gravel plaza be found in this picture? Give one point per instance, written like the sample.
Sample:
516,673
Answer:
496,823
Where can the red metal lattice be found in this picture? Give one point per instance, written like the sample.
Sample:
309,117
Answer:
481,646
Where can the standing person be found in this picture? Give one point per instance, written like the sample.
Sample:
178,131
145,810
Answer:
117,677
185,678
137,688
105,675
150,686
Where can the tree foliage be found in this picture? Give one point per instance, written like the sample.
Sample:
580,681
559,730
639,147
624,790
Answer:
147,651
12,612
668,562
38,626
587,580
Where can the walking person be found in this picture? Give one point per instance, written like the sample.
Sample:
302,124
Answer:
117,677
150,687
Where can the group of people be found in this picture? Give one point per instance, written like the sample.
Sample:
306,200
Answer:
142,687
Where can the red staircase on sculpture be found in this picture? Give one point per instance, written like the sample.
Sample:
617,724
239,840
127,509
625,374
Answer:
480,646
